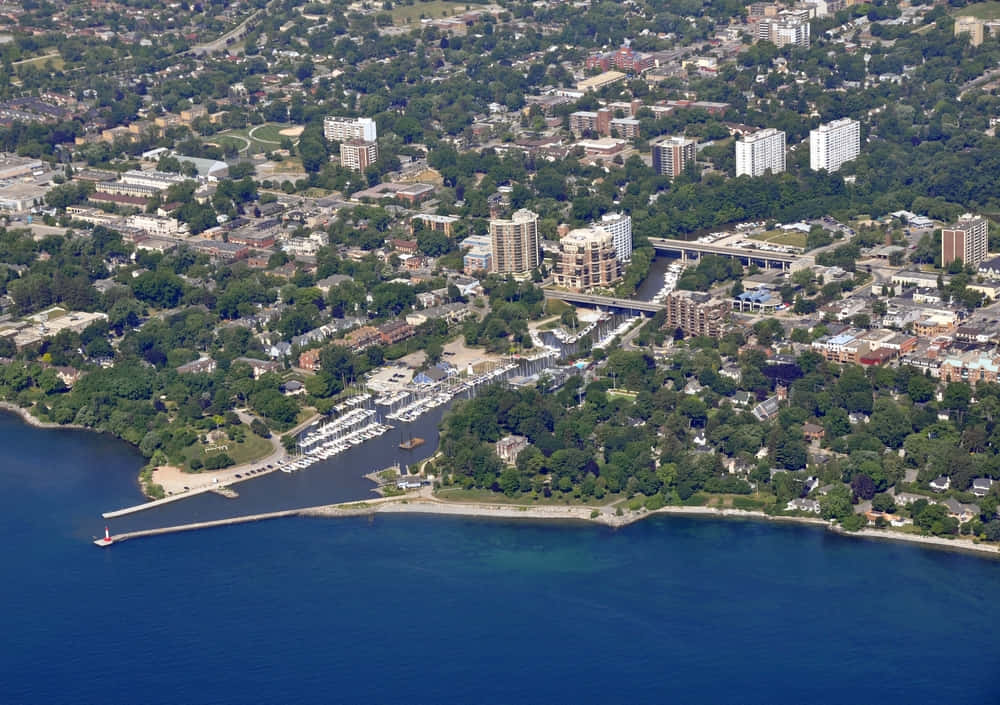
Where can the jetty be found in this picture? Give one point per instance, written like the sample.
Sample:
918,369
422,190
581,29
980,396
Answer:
118,538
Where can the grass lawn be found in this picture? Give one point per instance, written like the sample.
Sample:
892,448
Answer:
457,494
227,140
791,238
269,132
253,448
54,60
265,137
412,14
981,10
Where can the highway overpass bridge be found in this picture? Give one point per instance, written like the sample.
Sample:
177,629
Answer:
762,258
646,308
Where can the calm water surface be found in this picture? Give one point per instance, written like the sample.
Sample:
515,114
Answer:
444,610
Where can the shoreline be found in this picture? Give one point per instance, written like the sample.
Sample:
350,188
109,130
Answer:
603,516
35,422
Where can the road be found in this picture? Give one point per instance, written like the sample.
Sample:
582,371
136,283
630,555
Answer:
235,33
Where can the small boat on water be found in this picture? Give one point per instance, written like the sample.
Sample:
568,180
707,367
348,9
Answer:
411,443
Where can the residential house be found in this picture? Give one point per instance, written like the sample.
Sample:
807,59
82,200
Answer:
509,447
205,365
394,331
292,388
260,367
743,399
361,338
962,512
309,359
940,483
981,486
812,432
803,505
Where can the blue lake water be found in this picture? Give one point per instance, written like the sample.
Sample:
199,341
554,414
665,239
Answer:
446,610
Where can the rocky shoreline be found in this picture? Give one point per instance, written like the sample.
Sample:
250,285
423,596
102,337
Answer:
36,422
600,515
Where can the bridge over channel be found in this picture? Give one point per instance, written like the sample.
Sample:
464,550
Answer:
695,250
646,308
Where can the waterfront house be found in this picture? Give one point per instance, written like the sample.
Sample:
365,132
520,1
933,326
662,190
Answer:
905,498
803,505
292,388
962,512
431,375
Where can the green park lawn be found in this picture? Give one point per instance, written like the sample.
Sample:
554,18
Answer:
981,10
54,60
790,238
252,448
412,14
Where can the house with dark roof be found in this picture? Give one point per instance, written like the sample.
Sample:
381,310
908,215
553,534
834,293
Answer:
743,399
981,486
812,432
204,365
940,483
962,512
767,409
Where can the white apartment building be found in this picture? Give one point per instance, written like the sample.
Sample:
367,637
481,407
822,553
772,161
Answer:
619,225
786,28
834,144
342,129
760,152
156,225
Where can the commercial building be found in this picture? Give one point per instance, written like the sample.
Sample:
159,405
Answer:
671,155
586,259
343,129
697,313
595,83
158,180
761,152
786,28
625,59
620,227
967,240
834,144
358,155
12,167
515,243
